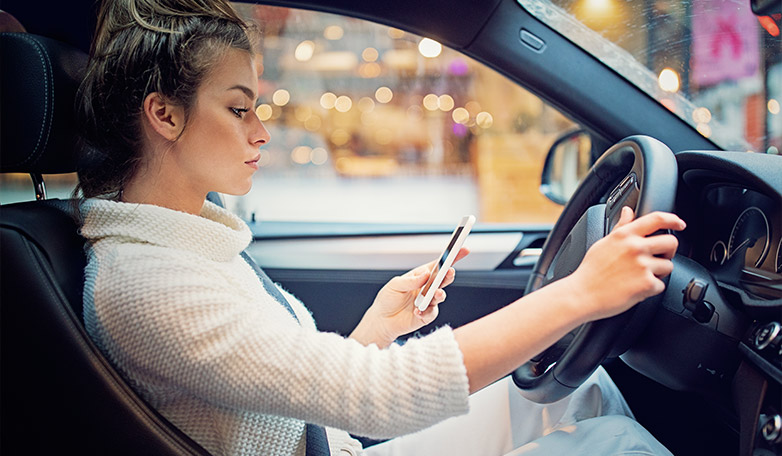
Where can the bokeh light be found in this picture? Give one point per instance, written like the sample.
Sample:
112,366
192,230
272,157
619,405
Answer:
343,103
484,119
459,130
366,104
458,67
281,97
430,48
460,115
384,94
701,115
431,102
333,32
669,80
264,112
396,33
369,54
304,51
445,102
327,100
369,70
301,155
319,156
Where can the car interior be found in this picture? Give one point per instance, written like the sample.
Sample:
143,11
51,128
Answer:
700,365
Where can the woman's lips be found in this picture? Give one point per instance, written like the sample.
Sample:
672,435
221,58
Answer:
254,162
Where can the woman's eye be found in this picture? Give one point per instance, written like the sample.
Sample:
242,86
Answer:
239,112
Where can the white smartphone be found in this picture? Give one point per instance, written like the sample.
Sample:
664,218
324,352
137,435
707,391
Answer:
441,266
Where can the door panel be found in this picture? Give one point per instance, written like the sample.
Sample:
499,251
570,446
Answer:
488,251
338,276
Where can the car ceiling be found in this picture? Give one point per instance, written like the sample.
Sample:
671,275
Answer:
454,24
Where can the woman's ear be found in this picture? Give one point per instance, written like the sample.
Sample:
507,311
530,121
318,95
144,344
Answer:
166,119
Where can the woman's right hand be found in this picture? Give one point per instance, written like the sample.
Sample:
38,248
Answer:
626,266
617,272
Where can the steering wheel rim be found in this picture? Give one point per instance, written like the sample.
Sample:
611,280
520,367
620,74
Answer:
636,161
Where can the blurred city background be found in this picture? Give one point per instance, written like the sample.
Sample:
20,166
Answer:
373,124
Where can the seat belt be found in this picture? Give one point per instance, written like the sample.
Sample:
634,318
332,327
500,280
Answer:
317,442
270,287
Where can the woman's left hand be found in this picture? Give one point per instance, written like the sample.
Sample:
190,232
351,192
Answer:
394,313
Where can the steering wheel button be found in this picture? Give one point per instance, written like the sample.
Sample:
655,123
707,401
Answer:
767,334
694,293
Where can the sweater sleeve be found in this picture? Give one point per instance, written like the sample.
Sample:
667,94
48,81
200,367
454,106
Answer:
187,326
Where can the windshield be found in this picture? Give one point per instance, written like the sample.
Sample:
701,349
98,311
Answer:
712,62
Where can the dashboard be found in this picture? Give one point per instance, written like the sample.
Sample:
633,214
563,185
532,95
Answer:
740,238
732,203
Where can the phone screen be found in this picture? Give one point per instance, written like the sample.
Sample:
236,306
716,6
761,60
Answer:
440,262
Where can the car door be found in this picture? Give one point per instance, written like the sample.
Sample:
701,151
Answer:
381,141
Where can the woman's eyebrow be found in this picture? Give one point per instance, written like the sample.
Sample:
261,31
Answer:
250,94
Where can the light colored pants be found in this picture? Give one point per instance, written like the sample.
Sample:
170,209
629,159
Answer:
595,420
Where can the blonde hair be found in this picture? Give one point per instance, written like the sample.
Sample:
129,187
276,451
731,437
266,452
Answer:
141,47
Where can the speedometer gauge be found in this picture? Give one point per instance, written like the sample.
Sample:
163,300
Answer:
750,234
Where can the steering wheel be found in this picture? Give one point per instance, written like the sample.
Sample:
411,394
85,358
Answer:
639,172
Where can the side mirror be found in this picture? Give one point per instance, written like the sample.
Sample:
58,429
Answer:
567,162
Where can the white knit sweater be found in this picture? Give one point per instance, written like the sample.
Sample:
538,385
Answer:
188,323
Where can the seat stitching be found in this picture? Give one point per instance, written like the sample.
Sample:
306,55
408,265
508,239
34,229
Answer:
47,96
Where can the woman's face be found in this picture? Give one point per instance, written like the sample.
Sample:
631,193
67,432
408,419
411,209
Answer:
218,150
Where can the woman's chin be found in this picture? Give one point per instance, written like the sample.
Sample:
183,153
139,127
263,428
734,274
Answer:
239,190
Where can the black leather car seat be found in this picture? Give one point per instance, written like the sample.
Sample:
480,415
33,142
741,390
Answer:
58,394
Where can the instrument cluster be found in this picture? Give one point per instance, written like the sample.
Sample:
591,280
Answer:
742,239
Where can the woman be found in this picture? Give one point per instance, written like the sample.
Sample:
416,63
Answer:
167,107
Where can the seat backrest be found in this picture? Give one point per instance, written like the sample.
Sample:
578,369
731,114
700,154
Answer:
58,394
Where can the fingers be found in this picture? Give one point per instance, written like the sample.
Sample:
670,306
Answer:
429,314
421,269
463,252
650,223
660,267
656,287
439,297
410,281
625,216
417,277
663,245
449,276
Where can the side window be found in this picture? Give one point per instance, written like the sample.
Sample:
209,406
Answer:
16,187
373,124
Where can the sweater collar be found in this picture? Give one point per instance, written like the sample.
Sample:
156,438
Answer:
215,234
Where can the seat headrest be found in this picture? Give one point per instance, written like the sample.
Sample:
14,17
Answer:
40,78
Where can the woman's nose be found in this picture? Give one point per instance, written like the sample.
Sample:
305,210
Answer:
260,135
